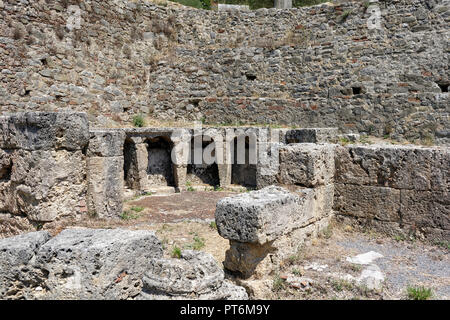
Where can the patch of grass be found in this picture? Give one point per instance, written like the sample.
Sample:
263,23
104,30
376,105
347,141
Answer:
213,225
344,141
399,238
176,252
443,244
127,215
354,267
341,284
419,293
327,232
189,186
278,284
137,209
198,243
345,15
218,188
296,272
138,121
364,139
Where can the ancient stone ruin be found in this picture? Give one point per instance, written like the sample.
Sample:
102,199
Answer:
285,103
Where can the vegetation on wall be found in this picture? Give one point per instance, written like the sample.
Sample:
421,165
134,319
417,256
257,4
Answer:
200,4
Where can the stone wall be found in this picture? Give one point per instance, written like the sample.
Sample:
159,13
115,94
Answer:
320,66
399,189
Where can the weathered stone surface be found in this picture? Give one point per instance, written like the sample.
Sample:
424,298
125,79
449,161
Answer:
262,216
47,184
17,274
380,203
12,225
400,167
106,143
353,81
268,166
136,165
195,275
312,135
429,209
97,264
45,131
105,186
252,260
307,164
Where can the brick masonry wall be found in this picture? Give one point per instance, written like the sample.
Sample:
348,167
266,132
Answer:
307,67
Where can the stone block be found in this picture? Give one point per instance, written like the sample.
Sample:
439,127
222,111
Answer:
194,275
105,186
307,164
97,264
400,167
429,209
262,216
106,143
44,131
371,202
45,184
252,260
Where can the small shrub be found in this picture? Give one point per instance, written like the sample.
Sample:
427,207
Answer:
138,121
176,253
419,293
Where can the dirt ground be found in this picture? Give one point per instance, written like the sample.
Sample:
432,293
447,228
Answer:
186,221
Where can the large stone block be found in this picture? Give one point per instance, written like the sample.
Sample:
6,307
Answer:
425,209
105,186
195,275
263,216
17,275
252,260
47,184
400,167
106,143
97,264
45,131
380,203
307,164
